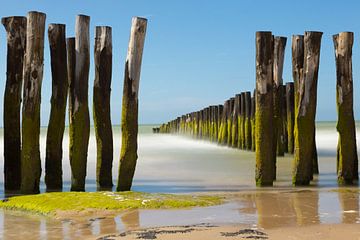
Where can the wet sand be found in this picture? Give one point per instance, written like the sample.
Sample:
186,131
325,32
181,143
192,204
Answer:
209,232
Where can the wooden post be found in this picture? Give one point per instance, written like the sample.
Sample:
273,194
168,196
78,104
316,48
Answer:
79,115
101,106
216,123
253,122
16,40
297,48
223,125
264,110
290,115
229,121
129,120
247,124
346,151
284,118
279,51
33,74
306,110
56,127
235,128
242,120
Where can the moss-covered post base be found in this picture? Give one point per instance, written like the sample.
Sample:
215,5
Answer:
264,174
129,116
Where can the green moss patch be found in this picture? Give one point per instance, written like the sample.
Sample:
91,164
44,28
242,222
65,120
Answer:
51,203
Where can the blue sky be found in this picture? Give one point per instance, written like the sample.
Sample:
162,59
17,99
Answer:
197,53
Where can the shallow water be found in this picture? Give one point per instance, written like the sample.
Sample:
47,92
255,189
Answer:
178,164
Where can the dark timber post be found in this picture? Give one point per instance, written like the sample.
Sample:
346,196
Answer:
264,109
247,124
33,74
242,120
290,115
16,40
129,119
79,115
253,122
306,110
279,51
284,119
235,130
346,151
55,131
229,121
101,106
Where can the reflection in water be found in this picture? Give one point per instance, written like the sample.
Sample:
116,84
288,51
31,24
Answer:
266,209
349,203
131,219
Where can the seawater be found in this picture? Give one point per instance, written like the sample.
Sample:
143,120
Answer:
175,163
180,164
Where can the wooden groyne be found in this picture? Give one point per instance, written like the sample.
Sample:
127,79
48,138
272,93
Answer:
280,118
70,65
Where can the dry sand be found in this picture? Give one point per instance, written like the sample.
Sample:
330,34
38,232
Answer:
208,232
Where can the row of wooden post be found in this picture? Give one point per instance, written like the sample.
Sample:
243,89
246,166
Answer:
281,118
70,63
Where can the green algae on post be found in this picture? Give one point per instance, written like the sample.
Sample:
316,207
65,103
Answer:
33,74
305,111
56,127
346,151
55,202
290,116
235,126
101,106
16,40
247,122
264,110
129,116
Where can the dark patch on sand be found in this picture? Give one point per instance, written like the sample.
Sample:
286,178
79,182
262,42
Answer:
253,234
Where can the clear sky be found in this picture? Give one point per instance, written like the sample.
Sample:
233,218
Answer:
197,53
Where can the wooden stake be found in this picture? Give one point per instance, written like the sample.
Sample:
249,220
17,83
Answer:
56,126
129,120
305,112
247,123
290,115
101,106
33,74
253,122
236,113
79,115
346,151
264,109
16,40
279,51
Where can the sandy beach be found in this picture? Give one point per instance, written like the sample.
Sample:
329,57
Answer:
319,232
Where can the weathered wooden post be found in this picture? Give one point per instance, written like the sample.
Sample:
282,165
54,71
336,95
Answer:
129,120
253,122
279,51
78,106
223,125
235,130
33,74
242,120
290,115
101,106
346,150
56,126
305,112
284,118
247,124
16,42
264,110
229,121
